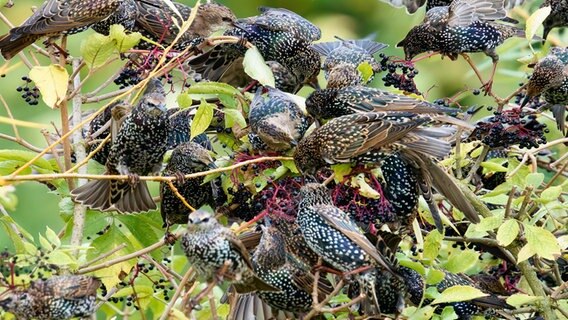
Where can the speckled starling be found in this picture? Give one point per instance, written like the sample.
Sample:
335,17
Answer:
558,16
53,18
100,128
208,245
57,298
332,235
180,129
463,26
349,52
272,264
124,15
550,78
335,102
277,120
413,5
188,157
158,22
137,149
371,137
280,35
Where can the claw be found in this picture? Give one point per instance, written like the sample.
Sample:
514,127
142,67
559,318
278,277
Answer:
133,179
180,177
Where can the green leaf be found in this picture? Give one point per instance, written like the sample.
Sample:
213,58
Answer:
432,244
366,71
434,276
520,299
61,258
123,41
8,198
213,88
184,100
490,223
413,313
534,179
44,243
96,50
202,119
290,165
448,313
232,116
459,293
535,20
541,241
256,68
52,82
461,261
508,232
341,170
52,237
550,194
493,166
19,244
364,188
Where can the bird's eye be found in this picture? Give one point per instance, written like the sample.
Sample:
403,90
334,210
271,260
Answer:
205,220
190,220
226,19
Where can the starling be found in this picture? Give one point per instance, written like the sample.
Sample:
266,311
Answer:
208,245
100,127
413,5
57,298
125,15
550,78
558,16
277,120
335,102
188,157
274,266
52,19
137,149
463,26
349,53
280,35
180,129
158,22
330,233
373,136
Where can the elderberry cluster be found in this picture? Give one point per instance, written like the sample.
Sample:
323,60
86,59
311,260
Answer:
403,81
29,93
511,127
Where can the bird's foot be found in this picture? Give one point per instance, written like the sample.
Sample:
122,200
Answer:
487,86
180,176
169,238
133,179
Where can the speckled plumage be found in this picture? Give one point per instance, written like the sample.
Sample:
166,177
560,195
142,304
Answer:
400,187
280,35
208,245
137,149
349,52
188,157
335,102
124,15
558,16
550,78
277,120
57,298
180,129
53,18
462,27
413,5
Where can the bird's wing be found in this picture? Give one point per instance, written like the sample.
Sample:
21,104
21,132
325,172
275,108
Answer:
157,19
379,100
239,247
76,287
340,221
465,12
326,48
411,5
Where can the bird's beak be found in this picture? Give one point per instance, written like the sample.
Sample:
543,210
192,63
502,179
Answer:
212,165
531,92
314,83
293,142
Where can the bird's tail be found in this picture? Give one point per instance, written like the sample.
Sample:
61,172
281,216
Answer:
108,195
253,284
11,45
250,306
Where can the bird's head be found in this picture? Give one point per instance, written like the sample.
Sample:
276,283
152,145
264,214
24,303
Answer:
319,101
271,251
201,220
548,73
197,156
418,40
552,21
217,16
344,75
13,300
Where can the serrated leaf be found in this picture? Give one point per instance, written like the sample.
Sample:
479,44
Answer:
52,82
123,41
105,243
366,71
459,293
535,20
96,50
233,116
432,244
461,261
550,194
52,237
184,100
364,188
508,232
534,179
202,119
520,299
541,242
256,68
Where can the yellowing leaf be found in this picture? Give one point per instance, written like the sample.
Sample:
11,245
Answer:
508,232
461,261
202,119
256,68
184,100
493,166
364,188
52,81
366,71
459,293
535,21
541,242
233,116
123,41
413,313
519,299
432,244
490,223
534,179
340,170
551,194
96,50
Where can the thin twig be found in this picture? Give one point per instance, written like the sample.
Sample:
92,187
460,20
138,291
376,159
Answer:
104,255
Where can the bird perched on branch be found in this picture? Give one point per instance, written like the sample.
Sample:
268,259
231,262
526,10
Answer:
281,36
463,26
558,16
180,129
188,157
138,147
413,5
208,246
550,78
59,297
276,120
349,53
54,18
371,137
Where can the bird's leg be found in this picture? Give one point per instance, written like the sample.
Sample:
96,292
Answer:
325,269
487,86
180,176
49,42
133,179
218,277
250,86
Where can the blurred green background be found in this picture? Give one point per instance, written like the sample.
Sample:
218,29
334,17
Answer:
349,19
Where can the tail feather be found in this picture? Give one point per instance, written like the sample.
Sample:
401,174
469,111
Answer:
559,113
137,198
11,46
94,194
